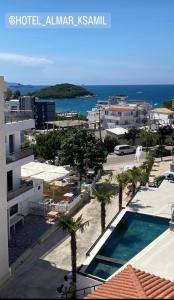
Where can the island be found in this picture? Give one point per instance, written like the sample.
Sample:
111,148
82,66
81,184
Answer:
64,90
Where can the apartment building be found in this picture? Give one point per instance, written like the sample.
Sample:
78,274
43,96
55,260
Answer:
19,192
162,116
127,114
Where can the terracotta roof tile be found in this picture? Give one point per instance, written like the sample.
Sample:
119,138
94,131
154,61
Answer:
119,109
134,284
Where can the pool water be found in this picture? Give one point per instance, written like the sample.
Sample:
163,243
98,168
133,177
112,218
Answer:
133,233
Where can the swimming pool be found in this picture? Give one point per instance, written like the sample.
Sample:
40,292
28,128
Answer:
132,234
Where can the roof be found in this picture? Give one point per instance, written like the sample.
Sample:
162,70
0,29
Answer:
119,109
43,171
163,110
136,284
117,130
68,123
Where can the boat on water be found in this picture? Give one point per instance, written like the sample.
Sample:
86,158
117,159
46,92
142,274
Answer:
139,92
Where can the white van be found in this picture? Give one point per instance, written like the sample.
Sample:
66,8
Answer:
124,149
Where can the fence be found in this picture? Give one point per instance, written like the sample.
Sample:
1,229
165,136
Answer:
71,208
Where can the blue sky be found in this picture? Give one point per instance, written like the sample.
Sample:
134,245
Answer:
137,49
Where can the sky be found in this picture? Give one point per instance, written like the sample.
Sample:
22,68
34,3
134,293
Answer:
138,48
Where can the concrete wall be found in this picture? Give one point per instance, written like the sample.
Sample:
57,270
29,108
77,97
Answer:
4,264
11,128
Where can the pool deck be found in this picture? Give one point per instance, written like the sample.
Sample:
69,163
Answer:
154,201
158,257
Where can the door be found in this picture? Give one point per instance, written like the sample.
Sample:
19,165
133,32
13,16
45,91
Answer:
9,181
11,144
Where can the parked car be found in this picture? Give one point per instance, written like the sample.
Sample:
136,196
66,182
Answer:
124,149
168,175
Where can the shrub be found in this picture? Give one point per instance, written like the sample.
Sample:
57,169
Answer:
161,151
25,144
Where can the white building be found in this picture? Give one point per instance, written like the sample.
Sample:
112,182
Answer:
4,264
14,104
96,115
162,116
124,114
16,194
19,192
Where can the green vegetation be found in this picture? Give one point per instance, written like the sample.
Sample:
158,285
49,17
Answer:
147,138
78,117
70,225
168,104
48,144
16,94
134,176
78,148
122,180
25,144
132,135
82,150
64,90
8,94
146,167
110,143
161,151
104,197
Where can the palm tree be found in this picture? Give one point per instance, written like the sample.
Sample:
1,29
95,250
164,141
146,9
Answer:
134,177
104,197
70,225
122,180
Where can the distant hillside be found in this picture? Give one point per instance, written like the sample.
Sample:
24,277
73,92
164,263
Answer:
64,90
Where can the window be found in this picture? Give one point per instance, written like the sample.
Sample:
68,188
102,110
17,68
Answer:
120,114
13,210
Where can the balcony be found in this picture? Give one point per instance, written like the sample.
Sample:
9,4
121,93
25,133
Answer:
16,116
19,155
24,187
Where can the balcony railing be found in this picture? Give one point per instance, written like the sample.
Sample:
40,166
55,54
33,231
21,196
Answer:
24,187
19,155
15,116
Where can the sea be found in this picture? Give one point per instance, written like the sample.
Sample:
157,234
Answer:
154,94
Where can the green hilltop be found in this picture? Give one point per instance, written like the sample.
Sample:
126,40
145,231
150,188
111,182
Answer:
64,90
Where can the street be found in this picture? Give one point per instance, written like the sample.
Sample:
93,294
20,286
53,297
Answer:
117,162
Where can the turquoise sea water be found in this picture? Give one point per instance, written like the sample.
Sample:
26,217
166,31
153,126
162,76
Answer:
133,233
154,94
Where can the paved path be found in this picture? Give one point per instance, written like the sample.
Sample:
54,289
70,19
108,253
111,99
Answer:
116,162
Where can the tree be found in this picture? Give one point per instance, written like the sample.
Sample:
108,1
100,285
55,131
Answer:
81,149
122,180
168,104
48,144
70,225
134,175
132,134
103,196
110,143
163,132
147,138
16,94
8,94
